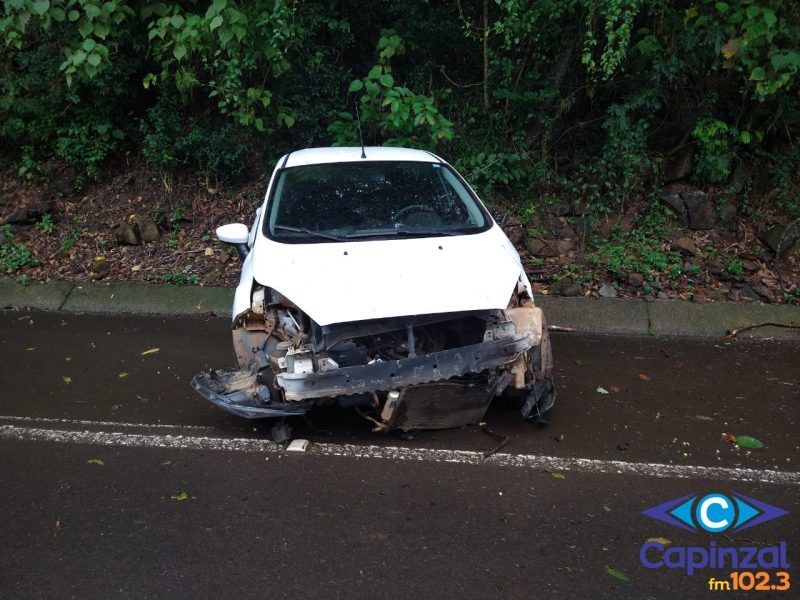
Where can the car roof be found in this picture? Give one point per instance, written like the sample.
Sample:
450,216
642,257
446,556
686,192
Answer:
314,156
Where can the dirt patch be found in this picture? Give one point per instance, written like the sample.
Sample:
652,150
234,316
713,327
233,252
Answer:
140,224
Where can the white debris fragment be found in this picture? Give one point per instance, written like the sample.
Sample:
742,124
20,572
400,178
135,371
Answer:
297,446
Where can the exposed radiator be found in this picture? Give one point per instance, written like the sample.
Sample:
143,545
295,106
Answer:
441,405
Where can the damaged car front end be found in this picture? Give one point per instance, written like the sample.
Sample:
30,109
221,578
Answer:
415,311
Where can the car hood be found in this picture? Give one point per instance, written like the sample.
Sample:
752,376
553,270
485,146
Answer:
372,279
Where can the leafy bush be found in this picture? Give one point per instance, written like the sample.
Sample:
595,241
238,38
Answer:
171,141
14,256
389,112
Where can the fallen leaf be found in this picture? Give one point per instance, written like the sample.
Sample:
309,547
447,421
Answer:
617,573
644,377
66,378
136,268
95,461
123,374
601,390
181,496
578,361
555,474
116,406
730,48
606,508
67,358
150,351
746,441
703,418
166,463
209,251
660,540
31,348
616,389
142,399
729,437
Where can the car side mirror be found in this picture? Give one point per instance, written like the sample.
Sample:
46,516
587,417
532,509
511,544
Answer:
236,234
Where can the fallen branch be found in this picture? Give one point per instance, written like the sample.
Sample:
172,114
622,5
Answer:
735,332
502,439
560,328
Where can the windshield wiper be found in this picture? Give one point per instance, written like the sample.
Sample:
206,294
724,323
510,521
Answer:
403,231
310,232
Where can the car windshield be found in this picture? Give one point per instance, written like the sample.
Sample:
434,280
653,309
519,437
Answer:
363,200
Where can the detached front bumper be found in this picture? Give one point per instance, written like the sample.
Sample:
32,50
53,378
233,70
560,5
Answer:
239,392
387,375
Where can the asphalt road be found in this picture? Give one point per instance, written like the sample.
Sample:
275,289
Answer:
99,446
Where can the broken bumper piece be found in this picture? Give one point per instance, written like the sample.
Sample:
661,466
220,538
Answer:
394,374
237,392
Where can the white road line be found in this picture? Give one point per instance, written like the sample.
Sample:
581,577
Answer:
45,421
466,457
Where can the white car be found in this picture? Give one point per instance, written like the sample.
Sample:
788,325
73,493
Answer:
374,277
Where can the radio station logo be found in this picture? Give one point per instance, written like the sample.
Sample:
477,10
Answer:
715,513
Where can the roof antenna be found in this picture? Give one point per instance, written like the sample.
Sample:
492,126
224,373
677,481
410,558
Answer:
360,135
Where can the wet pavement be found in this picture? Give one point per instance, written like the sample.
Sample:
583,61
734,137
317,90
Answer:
274,525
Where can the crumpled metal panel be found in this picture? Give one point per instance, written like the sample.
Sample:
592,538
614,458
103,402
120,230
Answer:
238,393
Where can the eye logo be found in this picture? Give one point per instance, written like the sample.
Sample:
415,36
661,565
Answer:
715,512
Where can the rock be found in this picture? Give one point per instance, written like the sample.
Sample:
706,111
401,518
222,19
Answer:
223,257
727,215
559,209
779,239
747,293
635,280
537,247
63,186
559,227
515,231
679,165
100,268
29,213
764,292
567,288
607,291
701,211
674,201
684,245
663,296
127,233
148,230
19,216
564,246
750,265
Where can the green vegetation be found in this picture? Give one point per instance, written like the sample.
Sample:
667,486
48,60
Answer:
14,256
46,224
535,101
180,278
